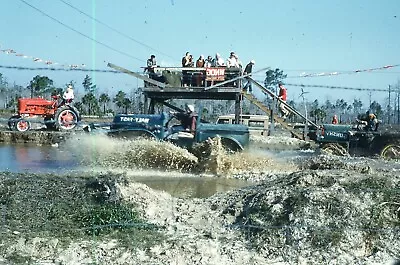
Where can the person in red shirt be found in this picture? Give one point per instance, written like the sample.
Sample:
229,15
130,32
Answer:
334,119
283,96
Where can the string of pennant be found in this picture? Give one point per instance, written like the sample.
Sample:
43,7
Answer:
347,72
80,66
39,60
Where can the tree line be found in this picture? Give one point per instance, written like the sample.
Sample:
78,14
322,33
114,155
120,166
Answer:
94,103
90,103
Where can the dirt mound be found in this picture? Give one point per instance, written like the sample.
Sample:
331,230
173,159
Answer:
313,217
45,217
329,162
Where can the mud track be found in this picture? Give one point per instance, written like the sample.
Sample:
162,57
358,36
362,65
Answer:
316,210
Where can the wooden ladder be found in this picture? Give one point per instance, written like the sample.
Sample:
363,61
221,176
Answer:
277,119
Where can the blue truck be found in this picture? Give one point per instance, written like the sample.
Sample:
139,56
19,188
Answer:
168,127
357,140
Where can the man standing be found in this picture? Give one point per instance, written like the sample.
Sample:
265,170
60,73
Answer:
187,61
247,70
151,63
282,104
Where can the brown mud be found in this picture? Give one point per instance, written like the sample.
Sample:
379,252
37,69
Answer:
317,210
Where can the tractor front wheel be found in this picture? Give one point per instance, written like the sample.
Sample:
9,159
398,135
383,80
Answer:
66,118
22,125
12,121
391,151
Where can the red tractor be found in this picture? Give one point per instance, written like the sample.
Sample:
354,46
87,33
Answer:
57,114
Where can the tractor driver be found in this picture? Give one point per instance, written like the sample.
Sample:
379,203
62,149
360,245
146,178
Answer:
68,95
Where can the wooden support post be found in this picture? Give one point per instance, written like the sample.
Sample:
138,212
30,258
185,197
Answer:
271,123
237,107
151,107
146,105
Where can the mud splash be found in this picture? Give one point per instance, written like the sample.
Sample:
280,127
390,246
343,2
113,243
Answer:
206,158
106,152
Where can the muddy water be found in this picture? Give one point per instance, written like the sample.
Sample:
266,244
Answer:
35,159
64,160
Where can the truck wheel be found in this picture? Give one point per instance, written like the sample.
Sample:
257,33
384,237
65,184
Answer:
22,125
334,149
66,119
391,151
230,146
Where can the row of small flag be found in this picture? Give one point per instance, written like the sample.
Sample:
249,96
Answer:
39,60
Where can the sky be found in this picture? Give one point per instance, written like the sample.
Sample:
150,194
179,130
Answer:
297,36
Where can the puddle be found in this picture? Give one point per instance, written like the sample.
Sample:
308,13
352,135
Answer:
192,187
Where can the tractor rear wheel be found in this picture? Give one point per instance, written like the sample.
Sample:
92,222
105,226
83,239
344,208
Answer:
66,118
22,125
391,151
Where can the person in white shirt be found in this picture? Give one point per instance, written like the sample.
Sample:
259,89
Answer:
232,60
209,61
218,61
68,95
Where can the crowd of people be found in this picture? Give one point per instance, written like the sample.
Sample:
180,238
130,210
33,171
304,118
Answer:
197,79
217,61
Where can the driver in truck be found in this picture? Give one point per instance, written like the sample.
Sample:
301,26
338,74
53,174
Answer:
370,121
188,119
189,122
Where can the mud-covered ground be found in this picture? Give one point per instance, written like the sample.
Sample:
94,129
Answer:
314,209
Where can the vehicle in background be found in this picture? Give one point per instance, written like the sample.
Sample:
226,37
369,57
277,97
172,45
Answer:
258,124
356,140
56,114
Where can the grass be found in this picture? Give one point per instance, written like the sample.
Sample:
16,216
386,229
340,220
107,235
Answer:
72,208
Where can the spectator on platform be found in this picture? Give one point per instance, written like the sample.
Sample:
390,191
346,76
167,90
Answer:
247,70
199,74
209,61
151,64
187,61
218,60
232,60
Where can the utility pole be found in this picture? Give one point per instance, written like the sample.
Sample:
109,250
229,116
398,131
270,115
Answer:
398,104
370,96
389,107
